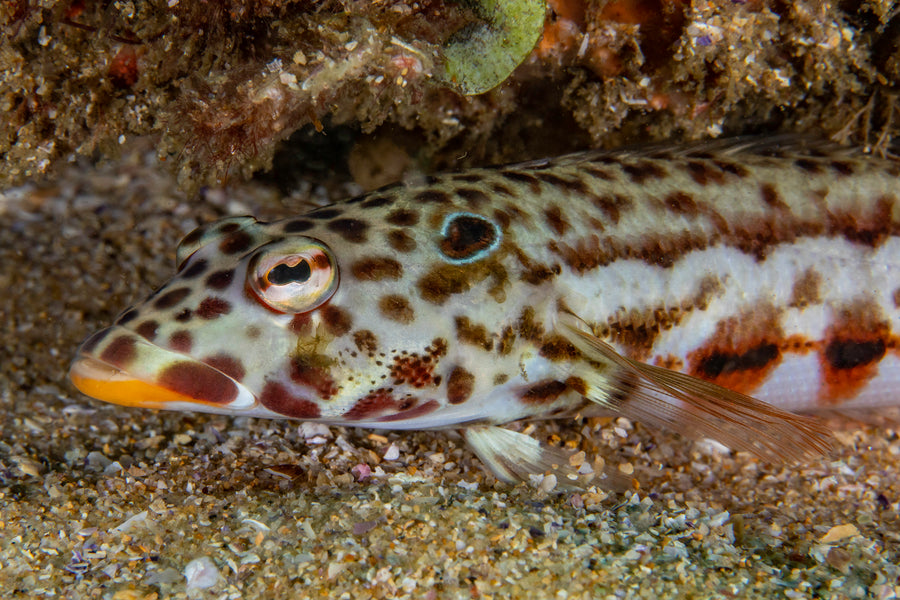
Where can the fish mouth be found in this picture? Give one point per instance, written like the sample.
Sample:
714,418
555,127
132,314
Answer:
184,383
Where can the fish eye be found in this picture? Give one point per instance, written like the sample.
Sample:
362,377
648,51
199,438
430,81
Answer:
293,276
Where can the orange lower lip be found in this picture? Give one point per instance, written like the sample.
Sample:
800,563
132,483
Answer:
103,382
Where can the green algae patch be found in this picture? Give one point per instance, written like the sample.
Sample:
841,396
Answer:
482,56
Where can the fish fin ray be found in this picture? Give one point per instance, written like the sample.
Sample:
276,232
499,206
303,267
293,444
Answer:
695,407
513,457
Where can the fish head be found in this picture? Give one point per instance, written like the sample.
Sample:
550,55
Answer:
311,318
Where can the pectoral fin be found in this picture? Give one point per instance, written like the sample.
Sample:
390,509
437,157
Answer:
690,406
513,457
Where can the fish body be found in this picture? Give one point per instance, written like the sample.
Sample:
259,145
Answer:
709,289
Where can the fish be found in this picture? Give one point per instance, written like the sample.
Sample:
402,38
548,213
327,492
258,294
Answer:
726,290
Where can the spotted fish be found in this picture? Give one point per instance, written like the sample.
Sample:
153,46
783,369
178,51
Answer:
715,290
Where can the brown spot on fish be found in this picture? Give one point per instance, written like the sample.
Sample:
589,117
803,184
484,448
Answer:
432,197
181,341
577,384
467,236
808,165
377,202
576,187
412,369
229,365
193,237
742,352
403,217
298,226
337,320
474,334
372,404
301,324
120,352
444,280
401,241
705,172
523,178
842,167
682,203
352,230
557,348
314,377
870,229
196,269
377,268
502,190
896,297
396,308
128,316
324,213
555,220
365,341
147,329
460,385
437,348
854,344
771,197
642,171
507,340
171,298
412,413
732,168
597,172
212,308
196,380
220,279
612,206
474,198
528,327
543,392
92,342
806,290
237,242
276,398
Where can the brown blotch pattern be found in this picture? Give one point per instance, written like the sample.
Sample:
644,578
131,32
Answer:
199,382
337,320
365,341
401,241
613,206
543,392
276,398
372,404
220,279
854,344
413,369
507,341
229,365
396,308
474,198
377,268
324,213
235,243
195,269
682,203
403,217
806,290
742,352
460,385
298,226
474,334
443,281
212,308
352,230
557,348
147,329
432,197
120,352
181,341
171,298
555,220
301,324
314,377
644,170
705,172
128,316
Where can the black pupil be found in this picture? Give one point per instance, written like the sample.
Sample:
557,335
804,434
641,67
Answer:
284,274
